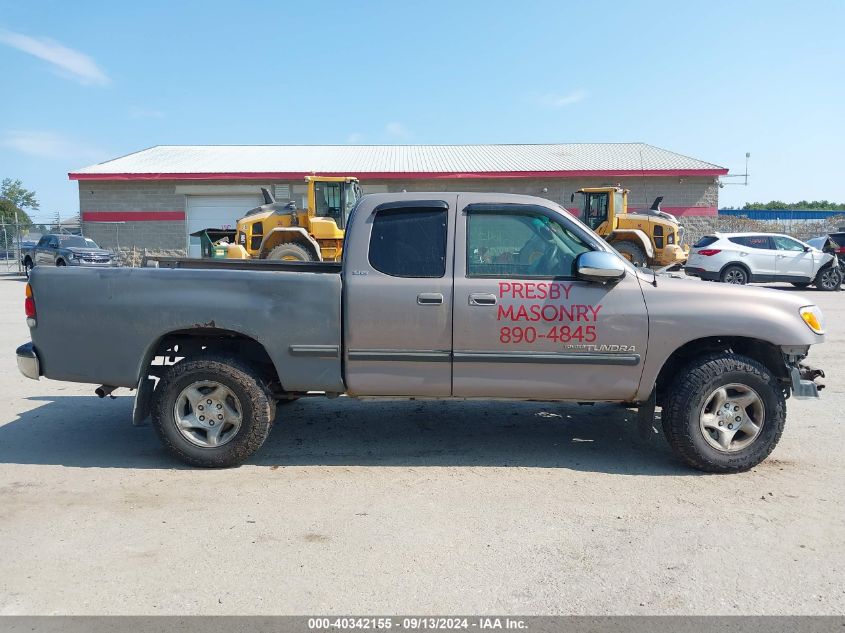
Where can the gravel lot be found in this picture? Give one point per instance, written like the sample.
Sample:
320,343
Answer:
412,507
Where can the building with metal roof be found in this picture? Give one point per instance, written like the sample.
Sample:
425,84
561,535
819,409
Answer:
160,195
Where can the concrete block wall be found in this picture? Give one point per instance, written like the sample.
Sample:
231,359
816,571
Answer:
169,237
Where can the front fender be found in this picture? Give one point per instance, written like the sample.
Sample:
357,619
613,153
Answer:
297,233
639,236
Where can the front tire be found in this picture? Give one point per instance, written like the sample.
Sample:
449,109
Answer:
291,253
828,279
60,262
736,275
725,413
212,411
632,252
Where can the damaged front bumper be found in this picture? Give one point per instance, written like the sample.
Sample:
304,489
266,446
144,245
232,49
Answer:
803,378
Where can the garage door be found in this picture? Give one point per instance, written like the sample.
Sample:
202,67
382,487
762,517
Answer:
220,212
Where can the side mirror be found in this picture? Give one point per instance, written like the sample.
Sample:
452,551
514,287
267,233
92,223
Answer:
599,267
807,249
572,198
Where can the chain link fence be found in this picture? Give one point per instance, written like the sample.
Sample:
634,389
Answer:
12,243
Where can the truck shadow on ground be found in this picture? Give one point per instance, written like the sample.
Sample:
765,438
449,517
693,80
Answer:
83,432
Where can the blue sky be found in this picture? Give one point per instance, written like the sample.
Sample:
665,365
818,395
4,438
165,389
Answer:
88,81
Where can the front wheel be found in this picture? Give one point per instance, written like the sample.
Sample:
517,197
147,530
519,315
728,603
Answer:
212,411
724,413
291,253
632,252
828,279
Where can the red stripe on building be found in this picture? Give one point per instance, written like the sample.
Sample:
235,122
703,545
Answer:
133,216
410,175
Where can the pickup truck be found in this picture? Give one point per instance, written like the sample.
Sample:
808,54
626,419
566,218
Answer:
439,295
65,250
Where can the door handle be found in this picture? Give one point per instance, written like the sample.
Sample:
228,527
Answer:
482,299
429,299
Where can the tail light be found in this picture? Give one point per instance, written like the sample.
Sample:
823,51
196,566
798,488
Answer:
707,252
29,306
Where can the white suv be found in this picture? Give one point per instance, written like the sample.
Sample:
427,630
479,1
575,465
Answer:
741,258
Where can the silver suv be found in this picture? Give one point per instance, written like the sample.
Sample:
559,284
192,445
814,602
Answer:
742,258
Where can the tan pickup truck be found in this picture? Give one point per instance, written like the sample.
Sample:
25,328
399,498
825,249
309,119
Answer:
440,295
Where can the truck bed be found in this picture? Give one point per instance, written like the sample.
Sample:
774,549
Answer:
101,325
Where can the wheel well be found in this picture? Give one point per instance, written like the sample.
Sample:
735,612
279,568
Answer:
276,238
738,264
190,343
767,354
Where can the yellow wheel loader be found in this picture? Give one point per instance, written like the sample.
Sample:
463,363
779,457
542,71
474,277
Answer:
278,230
650,238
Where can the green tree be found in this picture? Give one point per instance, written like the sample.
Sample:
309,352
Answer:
18,195
14,199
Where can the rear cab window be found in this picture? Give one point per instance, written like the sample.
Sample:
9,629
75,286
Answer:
409,242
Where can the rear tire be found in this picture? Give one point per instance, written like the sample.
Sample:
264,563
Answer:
695,417
292,253
828,279
735,275
632,252
27,267
247,408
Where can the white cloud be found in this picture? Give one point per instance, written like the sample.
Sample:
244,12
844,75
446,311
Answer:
67,61
43,144
136,112
396,130
555,101
354,138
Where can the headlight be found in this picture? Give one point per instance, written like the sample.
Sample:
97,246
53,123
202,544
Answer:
813,317
71,256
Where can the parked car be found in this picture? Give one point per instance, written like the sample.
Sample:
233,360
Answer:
439,295
65,250
742,258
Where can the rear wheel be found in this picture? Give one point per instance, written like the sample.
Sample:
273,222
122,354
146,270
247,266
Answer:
291,253
736,275
27,267
632,252
828,279
212,411
724,413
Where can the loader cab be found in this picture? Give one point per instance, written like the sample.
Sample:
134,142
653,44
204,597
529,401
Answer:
333,198
602,205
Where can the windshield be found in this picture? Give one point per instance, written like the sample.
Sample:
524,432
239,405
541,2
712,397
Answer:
76,241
